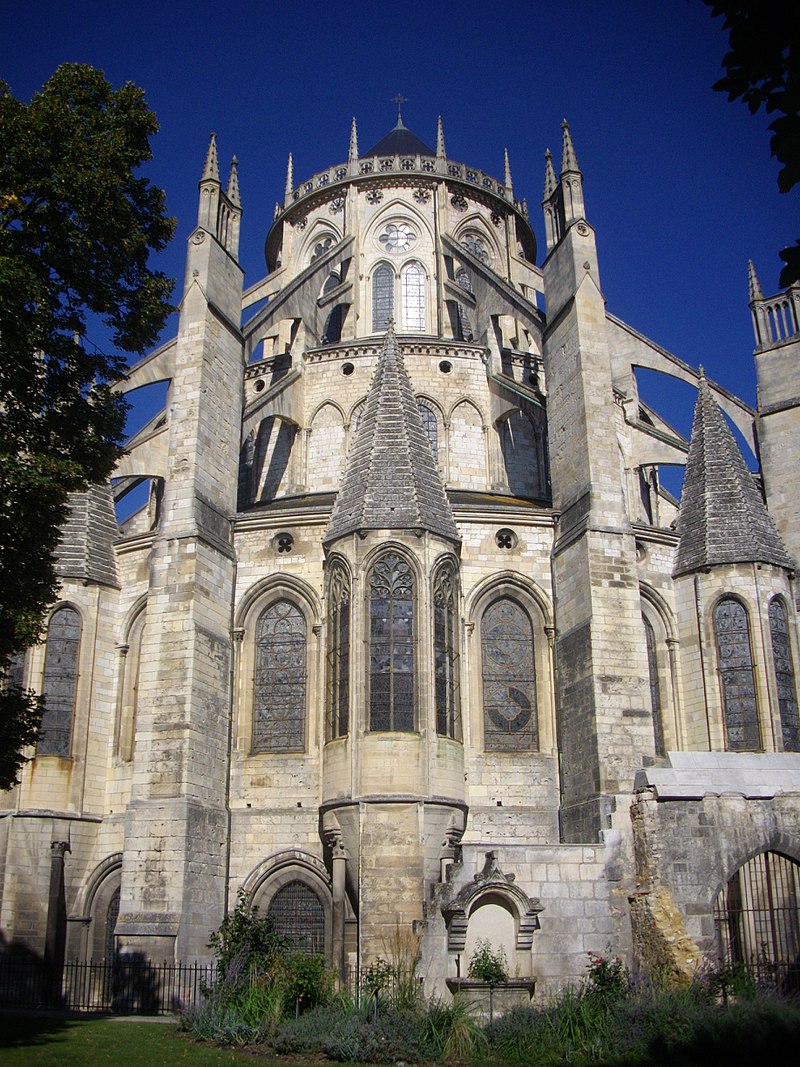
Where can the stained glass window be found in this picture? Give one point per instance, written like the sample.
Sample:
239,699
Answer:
509,678
784,676
280,682
430,425
391,645
297,914
382,297
60,683
412,286
655,686
477,246
735,660
445,653
397,237
338,653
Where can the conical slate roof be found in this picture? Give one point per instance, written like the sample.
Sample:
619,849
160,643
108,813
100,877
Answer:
399,142
722,517
87,537
391,481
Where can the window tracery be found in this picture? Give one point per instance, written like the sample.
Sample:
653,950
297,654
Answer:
509,678
735,660
60,683
445,652
338,653
397,237
297,914
412,298
391,645
475,244
382,297
279,696
784,675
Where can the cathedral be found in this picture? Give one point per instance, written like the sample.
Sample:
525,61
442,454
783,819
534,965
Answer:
408,637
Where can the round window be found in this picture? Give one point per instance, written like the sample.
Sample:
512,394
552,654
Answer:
397,237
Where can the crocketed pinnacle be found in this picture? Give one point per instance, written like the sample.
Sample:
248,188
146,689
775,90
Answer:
211,167
441,151
233,183
550,181
569,160
507,172
352,155
756,292
390,480
289,176
722,517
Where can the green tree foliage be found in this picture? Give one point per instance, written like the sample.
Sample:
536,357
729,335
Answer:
763,71
77,226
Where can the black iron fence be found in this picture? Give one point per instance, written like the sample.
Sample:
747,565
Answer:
124,986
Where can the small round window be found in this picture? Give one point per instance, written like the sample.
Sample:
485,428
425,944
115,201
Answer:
397,237
505,540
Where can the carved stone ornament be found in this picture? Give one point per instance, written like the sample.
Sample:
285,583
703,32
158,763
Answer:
422,196
300,224
375,196
337,205
198,237
491,886
459,202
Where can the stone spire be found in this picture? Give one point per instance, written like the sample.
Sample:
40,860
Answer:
569,161
722,517
86,548
391,481
756,292
507,172
211,168
352,155
233,184
550,182
441,151
289,177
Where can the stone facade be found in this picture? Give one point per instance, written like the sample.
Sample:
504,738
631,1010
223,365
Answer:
409,636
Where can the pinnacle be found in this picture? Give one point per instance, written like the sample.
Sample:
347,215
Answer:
233,183
289,176
507,172
550,182
441,151
569,160
211,167
352,154
756,292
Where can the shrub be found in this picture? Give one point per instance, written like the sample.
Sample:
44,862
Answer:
488,964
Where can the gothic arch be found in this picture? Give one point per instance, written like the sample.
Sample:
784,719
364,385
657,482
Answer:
513,589
97,905
397,209
61,678
302,875
271,595
320,229
736,661
127,696
474,223
491,886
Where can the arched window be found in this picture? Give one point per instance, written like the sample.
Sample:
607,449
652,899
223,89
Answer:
475,244
338,653
784,675
279,714
738,683
391,645
757,914
297,914
129,704
509,678
466,331
655,686
382,297
331,282
445,652
430,425
60,684
412,288
332,330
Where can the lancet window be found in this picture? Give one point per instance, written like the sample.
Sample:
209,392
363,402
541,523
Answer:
655,686
445,652
735,658
430,425
391,645
509,678
412,296
60,683
279,713
784,675
382,297
297,914
338,653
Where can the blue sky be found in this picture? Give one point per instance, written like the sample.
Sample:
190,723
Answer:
679,183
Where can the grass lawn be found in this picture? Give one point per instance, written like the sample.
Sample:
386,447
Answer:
51,1041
